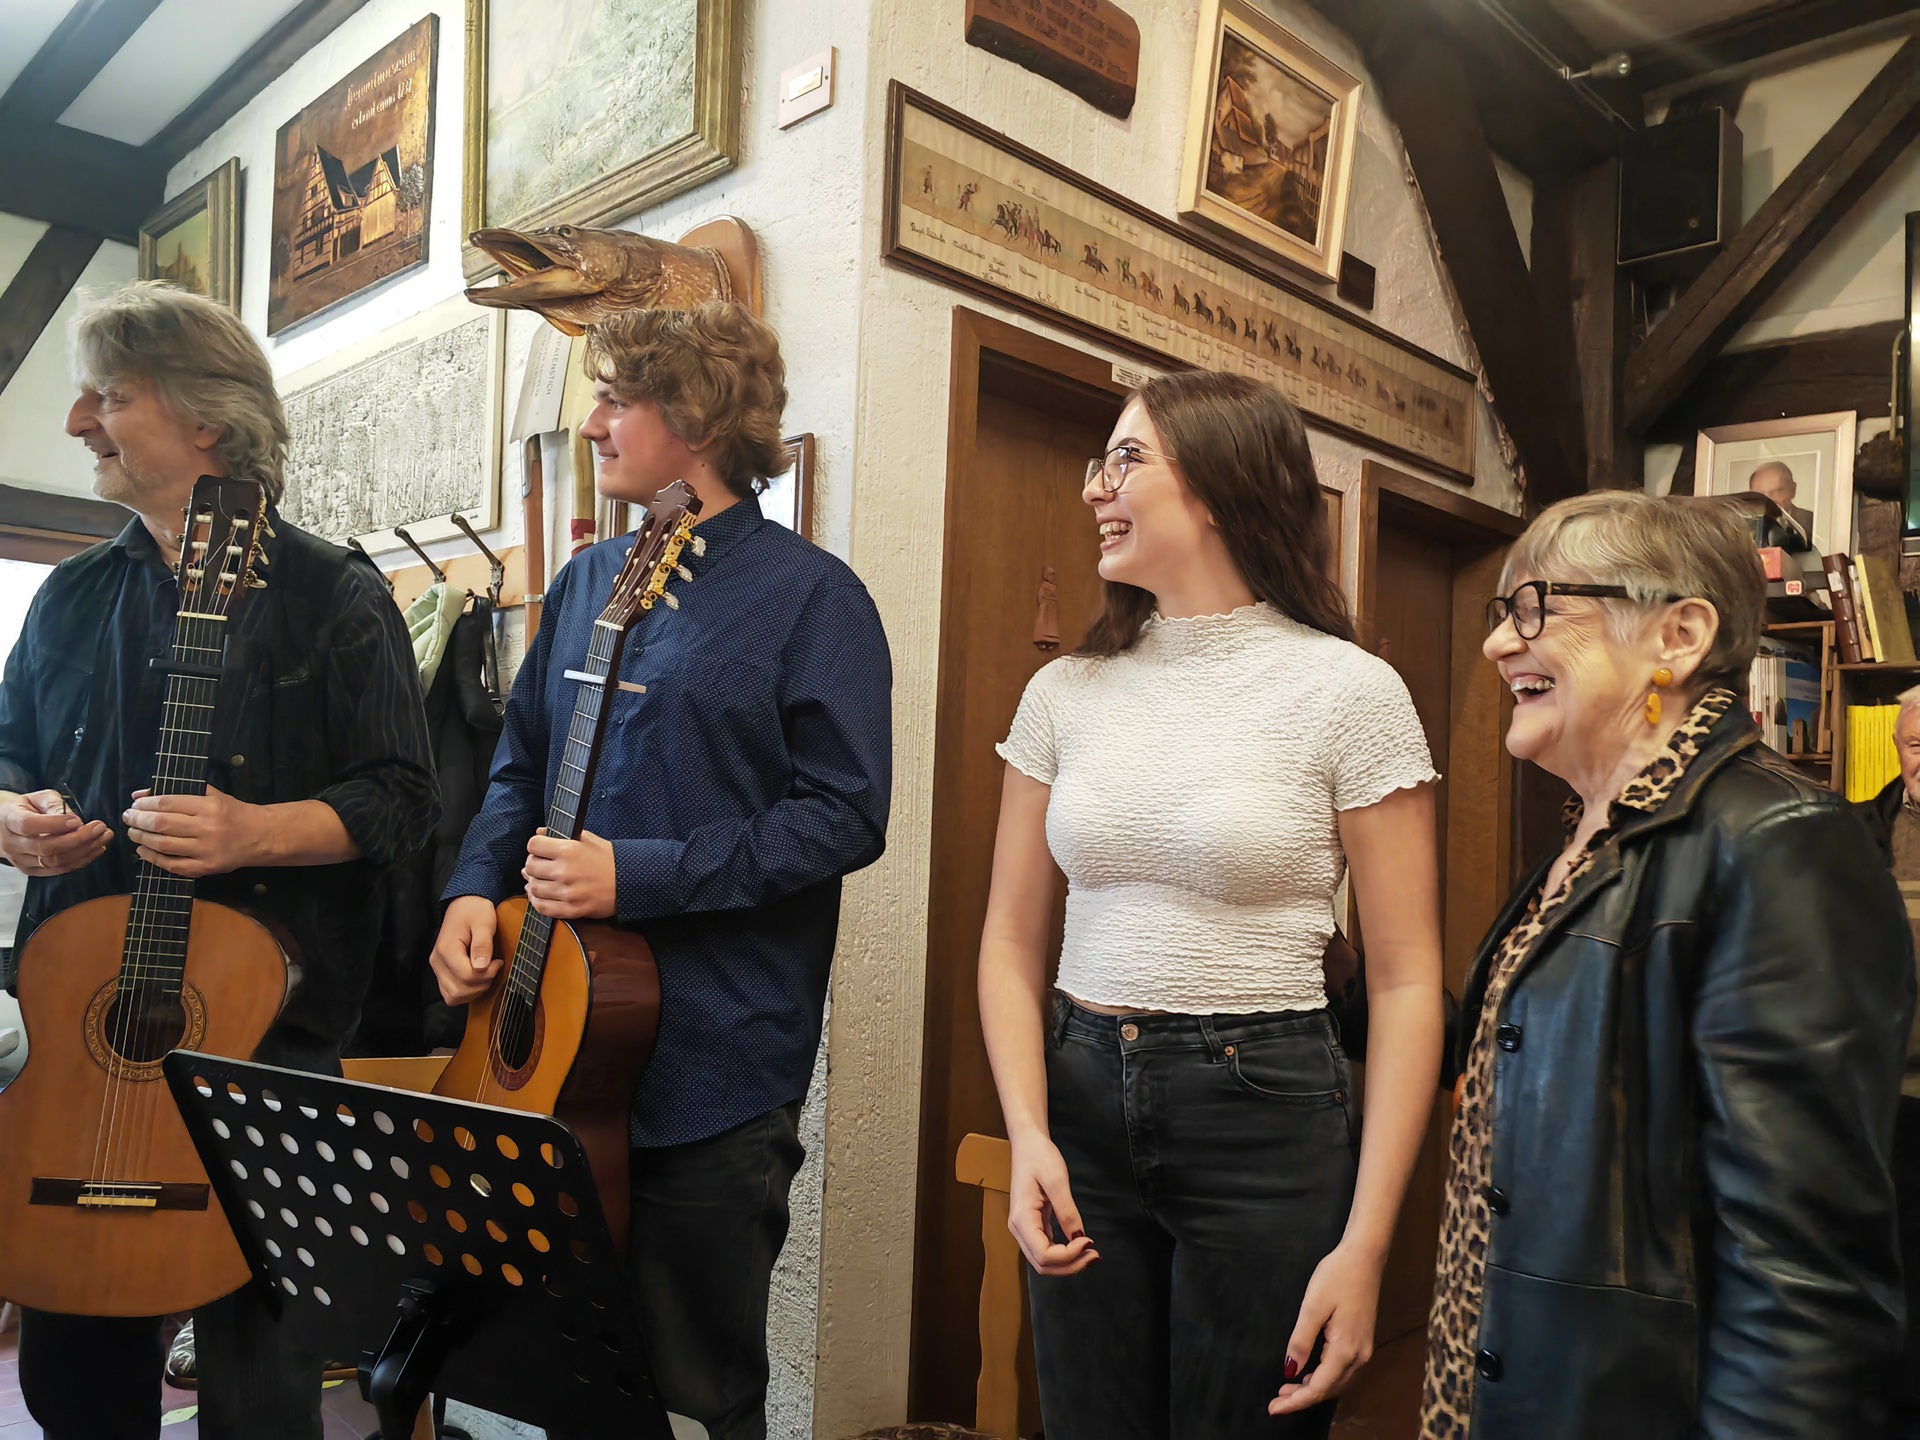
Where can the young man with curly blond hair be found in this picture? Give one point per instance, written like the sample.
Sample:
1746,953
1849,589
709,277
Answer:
731,797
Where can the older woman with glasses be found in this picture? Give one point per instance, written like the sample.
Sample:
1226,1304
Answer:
1206,1227
1668,1211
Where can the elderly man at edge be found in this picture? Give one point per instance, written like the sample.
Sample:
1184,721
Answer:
1668,1209
1894,818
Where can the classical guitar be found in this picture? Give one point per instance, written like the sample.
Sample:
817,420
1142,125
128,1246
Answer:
570,1023
104,1206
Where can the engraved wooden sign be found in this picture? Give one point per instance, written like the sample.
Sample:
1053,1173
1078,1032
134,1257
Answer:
1091,47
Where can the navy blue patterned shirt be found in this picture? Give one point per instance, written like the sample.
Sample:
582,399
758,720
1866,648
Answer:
752,774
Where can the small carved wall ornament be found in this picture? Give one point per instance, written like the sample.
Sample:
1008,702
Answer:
1046,614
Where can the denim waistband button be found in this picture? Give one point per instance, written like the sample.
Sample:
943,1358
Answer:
1129,1031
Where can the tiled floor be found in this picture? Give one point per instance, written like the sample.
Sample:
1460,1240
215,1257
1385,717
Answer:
347,1416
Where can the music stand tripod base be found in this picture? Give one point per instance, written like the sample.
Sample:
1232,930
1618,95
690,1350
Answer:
459,1249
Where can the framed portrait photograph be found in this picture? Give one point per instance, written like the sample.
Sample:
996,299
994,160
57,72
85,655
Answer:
1270,134
788,497
353,182
1805,463
583,112
194,240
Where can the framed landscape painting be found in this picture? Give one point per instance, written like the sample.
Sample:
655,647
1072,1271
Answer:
1270,133
583,112
194,241
352,182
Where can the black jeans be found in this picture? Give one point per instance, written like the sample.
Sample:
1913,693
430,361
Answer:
1212,1159
709,1219
91,1377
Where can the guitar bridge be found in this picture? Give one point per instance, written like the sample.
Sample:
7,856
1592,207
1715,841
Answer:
118,1194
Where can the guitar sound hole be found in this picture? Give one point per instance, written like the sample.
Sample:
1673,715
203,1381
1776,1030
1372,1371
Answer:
142,1025
516,1031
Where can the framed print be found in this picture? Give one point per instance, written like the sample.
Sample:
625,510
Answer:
1805,463
788,497
978,211
194,240
401,429
582,112
353,182
1270,131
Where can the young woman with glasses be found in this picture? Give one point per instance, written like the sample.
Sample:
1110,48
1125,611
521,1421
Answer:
1206,1225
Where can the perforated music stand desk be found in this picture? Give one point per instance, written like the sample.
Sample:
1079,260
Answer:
457,1249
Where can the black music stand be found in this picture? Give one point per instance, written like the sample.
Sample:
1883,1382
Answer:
458,1249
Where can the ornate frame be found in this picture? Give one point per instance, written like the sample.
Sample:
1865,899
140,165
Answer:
711,147
1258,32
219,195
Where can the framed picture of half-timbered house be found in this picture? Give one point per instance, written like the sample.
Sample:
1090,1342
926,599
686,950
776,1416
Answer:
352,180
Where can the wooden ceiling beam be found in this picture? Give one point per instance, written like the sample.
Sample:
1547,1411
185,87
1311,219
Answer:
302,28
79,47
83,181
1875,129
26,306
1528,361
1681,58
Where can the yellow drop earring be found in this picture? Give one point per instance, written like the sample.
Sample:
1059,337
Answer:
1662,678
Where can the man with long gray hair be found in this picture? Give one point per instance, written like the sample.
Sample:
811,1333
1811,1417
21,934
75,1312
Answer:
320,778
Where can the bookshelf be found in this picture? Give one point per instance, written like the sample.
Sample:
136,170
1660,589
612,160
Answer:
1826,760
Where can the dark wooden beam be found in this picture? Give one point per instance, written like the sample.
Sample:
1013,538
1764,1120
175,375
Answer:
83,181
82,43
1810,375
37,289
302,28
1527,360
1875,129
60,514
1681,58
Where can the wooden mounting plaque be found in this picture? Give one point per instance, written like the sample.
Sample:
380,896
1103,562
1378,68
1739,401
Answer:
1091,47
739,249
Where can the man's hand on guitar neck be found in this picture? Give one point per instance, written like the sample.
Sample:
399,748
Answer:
571,879
213,834
463,960
40,837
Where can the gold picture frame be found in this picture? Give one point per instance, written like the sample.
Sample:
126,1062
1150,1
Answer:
706,145
1270,136
194,239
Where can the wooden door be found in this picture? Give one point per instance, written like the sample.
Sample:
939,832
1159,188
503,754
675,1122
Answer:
1025,416
1428,561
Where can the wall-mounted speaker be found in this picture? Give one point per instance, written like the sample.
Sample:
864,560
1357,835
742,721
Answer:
1679,192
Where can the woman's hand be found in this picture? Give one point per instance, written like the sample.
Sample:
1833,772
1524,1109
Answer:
1038,1197
1340,1303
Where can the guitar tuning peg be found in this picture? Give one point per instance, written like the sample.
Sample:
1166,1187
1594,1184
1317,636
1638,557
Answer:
256,582
699,545
673,601
684,573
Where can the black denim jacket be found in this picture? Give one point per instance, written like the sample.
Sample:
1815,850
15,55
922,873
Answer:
319,699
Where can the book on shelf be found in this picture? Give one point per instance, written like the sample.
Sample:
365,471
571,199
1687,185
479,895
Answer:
1869,642
1886,610
1872,759
1783,692
1846,620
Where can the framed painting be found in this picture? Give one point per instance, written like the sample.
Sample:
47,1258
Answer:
1270,132
788,497
1804,463
583,112
353,182
194,240
401,429
978,211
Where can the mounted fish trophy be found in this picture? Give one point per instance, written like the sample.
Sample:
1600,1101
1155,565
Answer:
574,277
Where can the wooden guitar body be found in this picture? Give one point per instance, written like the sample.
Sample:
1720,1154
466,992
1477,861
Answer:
147,1239
596,1016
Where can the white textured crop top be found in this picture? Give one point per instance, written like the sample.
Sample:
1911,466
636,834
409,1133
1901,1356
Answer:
1195,784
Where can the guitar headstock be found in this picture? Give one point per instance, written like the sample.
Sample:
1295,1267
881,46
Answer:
655,557
220,546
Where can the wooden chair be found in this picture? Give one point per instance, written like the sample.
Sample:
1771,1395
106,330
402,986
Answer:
987,1161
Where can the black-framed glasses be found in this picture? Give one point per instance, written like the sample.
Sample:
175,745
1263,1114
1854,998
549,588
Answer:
1527,605
1110,471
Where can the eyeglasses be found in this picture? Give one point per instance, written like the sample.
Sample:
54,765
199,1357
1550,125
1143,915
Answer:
1110,471
1527,606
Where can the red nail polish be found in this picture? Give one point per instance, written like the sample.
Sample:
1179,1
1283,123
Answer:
1293,1367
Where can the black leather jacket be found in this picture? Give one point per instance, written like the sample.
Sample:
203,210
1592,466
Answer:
1693,1108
